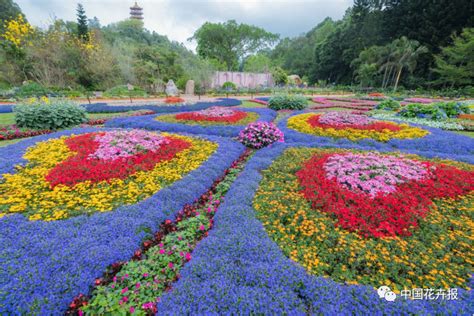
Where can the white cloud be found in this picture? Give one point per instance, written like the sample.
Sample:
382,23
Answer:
178,19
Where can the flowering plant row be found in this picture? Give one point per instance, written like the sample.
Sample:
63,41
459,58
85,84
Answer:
101,121
264,280
13,132
69,254
211,116
194,127
104,107
174,100
137,285
454,126
437,143
345,103
351,126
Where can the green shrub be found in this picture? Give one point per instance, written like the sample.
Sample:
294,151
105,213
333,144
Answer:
229,86
428,111
453,109
122,91
55,115
32,89
287,102
389,105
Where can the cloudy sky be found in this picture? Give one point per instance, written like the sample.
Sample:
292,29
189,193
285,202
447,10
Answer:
178,19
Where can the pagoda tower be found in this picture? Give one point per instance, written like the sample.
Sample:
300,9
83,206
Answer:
136,12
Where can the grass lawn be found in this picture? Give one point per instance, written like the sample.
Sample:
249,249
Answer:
466,133
248,104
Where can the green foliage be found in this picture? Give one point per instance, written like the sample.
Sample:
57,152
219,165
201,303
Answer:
122,91
428,111
280,77
230,43
43,116
389,105
31,89
288,102
455,64
453,109
257,63
229,86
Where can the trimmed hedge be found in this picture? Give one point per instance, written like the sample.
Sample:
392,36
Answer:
287,102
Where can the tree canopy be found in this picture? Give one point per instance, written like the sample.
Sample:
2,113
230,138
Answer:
230,43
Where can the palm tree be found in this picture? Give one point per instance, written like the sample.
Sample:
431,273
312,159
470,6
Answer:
407,54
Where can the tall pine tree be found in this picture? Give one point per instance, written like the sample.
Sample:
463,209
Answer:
82,28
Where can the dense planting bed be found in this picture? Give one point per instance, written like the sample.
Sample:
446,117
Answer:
197,123
167,213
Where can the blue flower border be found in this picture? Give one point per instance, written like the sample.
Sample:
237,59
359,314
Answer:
438,143
149,122
238,269
105,108
43,265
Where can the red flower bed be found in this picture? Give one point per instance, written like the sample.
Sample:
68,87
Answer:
383,215
196,116
174,100
81,168
376,126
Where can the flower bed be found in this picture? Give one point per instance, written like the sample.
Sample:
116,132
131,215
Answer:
194,127
322,227
211,116
69,254
239,269
351,126
13,132
345,103
105,108
101,121
421,121
174,100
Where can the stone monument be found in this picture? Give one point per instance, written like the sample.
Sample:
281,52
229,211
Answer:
189,87
171,89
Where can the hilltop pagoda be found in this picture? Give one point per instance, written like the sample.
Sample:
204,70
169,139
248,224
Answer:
136,12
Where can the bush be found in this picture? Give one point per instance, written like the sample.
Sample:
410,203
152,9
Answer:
435,111
427,111
453,109
229,86
389,105
32,89
45,115
260,134
287,102
122,91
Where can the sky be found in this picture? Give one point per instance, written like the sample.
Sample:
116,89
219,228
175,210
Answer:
178,19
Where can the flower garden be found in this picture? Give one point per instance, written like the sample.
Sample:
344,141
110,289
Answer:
216,208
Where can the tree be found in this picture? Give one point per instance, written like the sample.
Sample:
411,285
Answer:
8,10
257,63
280,77
455,63
230,43
82,28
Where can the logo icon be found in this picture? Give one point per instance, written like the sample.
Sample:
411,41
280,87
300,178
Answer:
386,293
